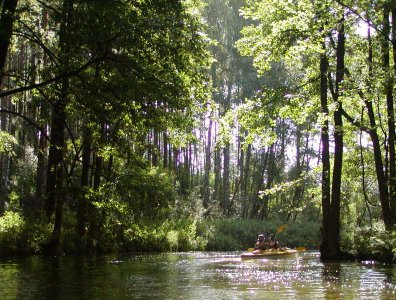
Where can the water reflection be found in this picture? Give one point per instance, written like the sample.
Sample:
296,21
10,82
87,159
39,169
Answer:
194,276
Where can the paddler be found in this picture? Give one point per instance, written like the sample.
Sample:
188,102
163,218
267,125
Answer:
260,244
272,242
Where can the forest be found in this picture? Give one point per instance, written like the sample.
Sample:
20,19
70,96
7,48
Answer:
183,125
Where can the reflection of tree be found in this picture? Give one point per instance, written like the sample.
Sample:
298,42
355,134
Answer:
8,282
331,271
390,274
383,277
331,278
389,281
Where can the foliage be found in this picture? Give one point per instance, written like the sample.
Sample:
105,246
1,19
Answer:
304,36
149,191
239,234
167,125
23,180
166,235
375,242
11,225
189,206
22,236
7,143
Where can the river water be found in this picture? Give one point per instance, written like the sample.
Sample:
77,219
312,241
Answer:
197,275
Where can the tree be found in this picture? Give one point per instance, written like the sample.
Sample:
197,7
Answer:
233,79
306,31
7,17
110,81
56,177
330,247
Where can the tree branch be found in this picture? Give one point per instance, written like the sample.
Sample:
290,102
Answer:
36,39
31,122
366,20
51,80
354,122
49,7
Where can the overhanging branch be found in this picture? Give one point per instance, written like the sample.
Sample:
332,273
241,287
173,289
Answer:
30,121
51,80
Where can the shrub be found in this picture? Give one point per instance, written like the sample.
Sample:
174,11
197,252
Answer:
148,191
20,236
168,235
11,226
238,234
375,242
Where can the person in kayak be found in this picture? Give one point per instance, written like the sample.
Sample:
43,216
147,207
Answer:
272,242
260,244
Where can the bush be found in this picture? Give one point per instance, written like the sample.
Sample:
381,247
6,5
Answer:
11,226
375,243
239,234
168,235
20,236
149,191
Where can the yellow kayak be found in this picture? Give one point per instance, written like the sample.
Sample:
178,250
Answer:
269,253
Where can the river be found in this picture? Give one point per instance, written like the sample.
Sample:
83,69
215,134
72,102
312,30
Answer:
196,275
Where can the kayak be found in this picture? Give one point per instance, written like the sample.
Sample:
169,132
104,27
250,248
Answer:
269,253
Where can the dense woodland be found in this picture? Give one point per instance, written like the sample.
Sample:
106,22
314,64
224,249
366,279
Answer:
163,125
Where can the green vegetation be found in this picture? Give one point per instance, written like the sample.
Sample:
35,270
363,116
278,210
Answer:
234,234
196,124
22,236
117,234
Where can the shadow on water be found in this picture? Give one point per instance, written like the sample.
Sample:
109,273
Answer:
200,275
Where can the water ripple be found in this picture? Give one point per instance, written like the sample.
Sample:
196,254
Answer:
200,275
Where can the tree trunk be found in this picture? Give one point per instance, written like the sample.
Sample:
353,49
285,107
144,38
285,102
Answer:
183,174
258,182
55,191
154,156
325,150
225,198
6,26
388,87
191,166
41,168
98,171
379,166
93,213
226,180
245,180
394,40
241,170
299,190
55,157
4,157
42,143
165,147
332,249
217,188
82,207
176,160
110,168
271,162
208,149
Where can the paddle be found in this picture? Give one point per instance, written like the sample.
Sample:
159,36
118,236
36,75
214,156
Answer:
281,228
300,249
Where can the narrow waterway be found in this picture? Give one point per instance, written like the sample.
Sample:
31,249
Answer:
199,275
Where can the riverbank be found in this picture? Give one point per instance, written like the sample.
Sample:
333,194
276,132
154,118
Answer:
21,237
